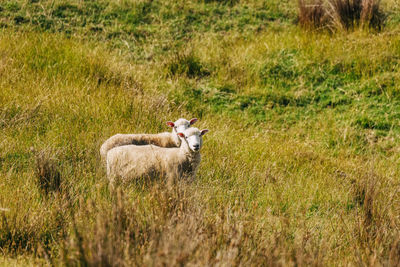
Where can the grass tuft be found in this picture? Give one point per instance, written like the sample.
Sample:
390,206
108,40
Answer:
187,64
350,14
48,176
341,14
312,15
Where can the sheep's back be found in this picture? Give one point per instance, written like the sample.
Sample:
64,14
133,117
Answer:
165,139
161,139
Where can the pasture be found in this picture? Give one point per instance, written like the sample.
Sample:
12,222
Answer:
301,165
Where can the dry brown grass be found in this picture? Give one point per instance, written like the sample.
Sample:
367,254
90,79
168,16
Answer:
48,177
177,230
350,14
341,14
375,234
312,15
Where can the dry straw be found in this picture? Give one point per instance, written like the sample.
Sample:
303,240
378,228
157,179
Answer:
341,14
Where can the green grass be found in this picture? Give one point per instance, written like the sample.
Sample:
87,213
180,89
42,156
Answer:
144,29
300,165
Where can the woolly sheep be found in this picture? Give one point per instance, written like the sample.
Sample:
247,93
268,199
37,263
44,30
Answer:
165,139
132,162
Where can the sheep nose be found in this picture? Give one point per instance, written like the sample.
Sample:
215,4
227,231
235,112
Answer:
196,147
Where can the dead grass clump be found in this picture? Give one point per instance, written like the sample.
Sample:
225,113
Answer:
341,14
185,64
376,221
372,15
365,193
312,15
345,14
349,14
103,236
48,177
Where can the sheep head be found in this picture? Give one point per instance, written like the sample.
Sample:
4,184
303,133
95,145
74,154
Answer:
181,124
193,137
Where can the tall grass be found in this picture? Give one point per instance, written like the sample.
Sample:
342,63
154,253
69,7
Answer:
341,14
48,177
350,14
312,15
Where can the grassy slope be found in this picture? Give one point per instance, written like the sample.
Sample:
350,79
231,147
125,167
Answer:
300,166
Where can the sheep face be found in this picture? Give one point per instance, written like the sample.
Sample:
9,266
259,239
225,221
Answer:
181,125
193,137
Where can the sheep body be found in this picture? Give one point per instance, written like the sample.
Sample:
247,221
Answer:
165,139
132,162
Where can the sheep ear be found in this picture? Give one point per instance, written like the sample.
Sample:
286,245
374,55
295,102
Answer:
203,132
181,135
170,124
193,121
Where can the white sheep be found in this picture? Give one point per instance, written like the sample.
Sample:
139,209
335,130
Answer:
132,162
165,139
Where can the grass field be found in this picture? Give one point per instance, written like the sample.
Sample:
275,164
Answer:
301,165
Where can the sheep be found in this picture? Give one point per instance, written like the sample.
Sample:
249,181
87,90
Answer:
165,139
131,162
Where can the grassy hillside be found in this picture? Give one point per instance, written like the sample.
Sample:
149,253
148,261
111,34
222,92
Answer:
301,165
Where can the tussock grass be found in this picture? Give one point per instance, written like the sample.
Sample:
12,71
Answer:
341,14
48,177
350,14
186,63
299,168
312,15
